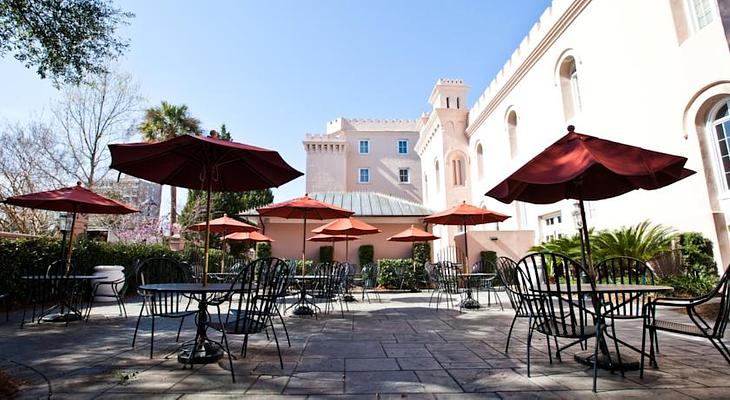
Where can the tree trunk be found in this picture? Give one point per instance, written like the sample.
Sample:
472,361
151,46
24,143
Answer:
173,207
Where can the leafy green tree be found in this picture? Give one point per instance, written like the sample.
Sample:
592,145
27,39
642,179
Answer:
644,241
65,40
166,122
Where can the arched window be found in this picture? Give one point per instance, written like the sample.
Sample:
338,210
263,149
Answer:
720,132
480,161
448,102
570,88
438,176
512,133
458,102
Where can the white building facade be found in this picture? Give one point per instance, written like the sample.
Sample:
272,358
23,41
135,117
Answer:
654,74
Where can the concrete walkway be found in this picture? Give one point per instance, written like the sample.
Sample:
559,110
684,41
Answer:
399,348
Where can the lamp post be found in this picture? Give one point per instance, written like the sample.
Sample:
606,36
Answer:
578,221
63,226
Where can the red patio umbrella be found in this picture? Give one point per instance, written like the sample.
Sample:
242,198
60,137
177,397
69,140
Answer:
73,199
248,236
584,167
413,235
224,225
323,237
348,227
303,208
205,163
465,214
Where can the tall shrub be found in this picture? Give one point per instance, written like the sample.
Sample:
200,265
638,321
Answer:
422,253
326,253
488,256
365,254
263,250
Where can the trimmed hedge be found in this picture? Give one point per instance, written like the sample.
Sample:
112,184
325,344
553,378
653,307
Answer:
365,254
263,250
21,256
392,270
326,253
488,256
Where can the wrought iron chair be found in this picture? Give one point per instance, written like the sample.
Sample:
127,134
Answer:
118,287
486,283
369,275
51,288
329,285
714,331
448,283
509,276
558,304
159,304
256,290
626,305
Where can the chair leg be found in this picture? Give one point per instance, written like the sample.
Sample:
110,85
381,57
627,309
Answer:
529,344
652,354
245,345
496,296
618,352
152,336
722,350
281,319
550,352
228,349
179,329
557,349
595,354
136,328
509,334
643,349
276,340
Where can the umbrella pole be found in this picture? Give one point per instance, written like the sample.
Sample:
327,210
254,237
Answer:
304,243
466,251
70,244
587,253
223,251
207,234
413,255
347,247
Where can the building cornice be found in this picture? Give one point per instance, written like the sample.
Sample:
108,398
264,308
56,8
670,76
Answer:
486,104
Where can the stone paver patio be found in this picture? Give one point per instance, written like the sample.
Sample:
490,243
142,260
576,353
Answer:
395,349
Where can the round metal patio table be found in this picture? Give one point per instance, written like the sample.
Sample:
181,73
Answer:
633,291
64,302
470,302
302,306
202,350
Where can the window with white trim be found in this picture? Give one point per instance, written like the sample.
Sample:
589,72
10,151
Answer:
720,131
702,13
364,147
570,88
402,146
404,175
480,161
363,175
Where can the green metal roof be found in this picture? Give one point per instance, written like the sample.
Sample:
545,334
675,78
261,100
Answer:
373,204
368,204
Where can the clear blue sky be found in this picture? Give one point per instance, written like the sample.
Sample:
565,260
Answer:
275,70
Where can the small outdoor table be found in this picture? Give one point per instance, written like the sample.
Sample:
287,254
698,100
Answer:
203,350
470,302
301,306
632,291
65,285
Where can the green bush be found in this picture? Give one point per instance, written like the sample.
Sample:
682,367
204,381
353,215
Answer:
263,250
488,256
365,254
326,253
391,270
422,253
34,255
699,271
308,267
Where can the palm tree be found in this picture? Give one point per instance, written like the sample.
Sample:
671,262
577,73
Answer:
166,122
644,241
